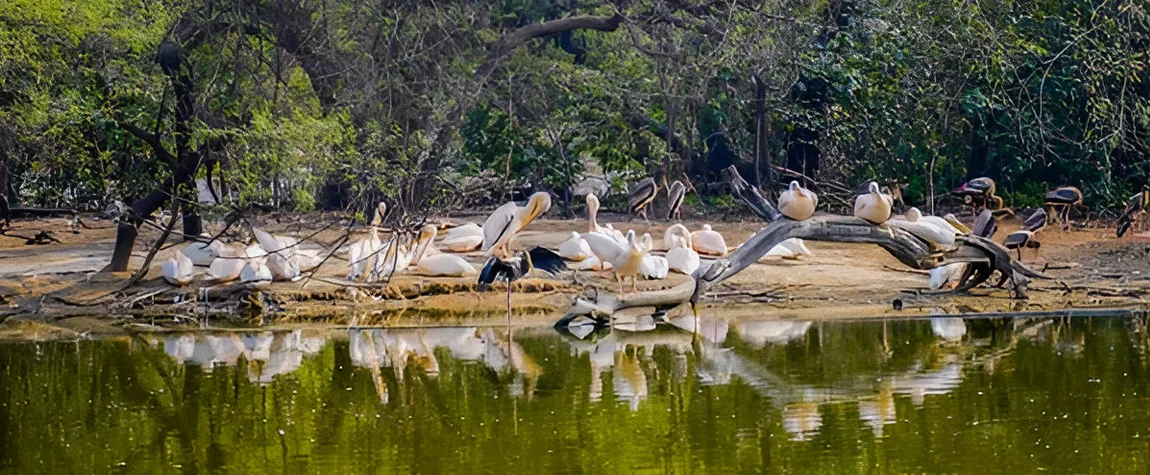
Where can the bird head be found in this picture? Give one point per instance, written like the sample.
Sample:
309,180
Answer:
538,204
592,203
872,188
380,212
913,215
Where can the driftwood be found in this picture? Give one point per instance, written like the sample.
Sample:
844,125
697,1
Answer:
982,255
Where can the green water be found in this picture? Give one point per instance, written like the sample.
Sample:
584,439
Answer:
987,395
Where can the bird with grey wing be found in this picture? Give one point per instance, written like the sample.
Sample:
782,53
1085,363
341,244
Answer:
642,194
1062,199
1137,206
675,194
1025,237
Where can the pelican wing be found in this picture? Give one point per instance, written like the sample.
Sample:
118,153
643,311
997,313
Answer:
499,224
606,248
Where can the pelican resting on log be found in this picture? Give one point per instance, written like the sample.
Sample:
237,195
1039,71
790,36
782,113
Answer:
982,256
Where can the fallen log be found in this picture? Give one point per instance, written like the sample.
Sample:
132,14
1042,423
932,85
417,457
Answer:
983,255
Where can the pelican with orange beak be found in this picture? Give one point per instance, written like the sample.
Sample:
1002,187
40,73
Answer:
502,226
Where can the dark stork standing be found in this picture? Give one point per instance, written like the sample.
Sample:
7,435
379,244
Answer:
1138,205
1025,236
985,225
675,194
1020,239
1036,221
515,267
1062,199
980,193
642,194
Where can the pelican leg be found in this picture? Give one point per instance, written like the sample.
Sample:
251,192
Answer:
619,280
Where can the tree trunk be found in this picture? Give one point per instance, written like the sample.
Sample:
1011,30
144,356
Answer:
761,132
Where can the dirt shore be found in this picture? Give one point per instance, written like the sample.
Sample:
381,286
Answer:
58,287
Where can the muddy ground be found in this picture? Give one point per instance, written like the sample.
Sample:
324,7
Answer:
58,288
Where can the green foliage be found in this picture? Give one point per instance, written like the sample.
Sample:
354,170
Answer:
386,101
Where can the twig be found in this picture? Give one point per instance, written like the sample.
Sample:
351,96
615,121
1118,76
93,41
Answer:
907,271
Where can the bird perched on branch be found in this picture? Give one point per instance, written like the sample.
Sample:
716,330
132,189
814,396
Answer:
873,206
642,194
798,203
1138,205
1062,199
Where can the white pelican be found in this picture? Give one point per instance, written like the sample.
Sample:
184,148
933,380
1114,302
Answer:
396,258
363,253
285,245
177,270
798,203
625,259
709,242
873,206
465,238
445,265
680,257
201,253
654,267
790,248
592,212
940,276
501,227
282,268
590,263
675,235
937,237
231,261
575,248
255,271
959,225
941,223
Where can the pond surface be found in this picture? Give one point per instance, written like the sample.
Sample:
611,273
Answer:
931,395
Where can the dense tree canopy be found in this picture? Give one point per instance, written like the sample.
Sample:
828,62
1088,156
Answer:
303,104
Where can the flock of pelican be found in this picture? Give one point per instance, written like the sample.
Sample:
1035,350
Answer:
625,255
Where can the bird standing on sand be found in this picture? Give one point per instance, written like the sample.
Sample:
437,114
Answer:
624,258
501,227
1025,236
1138,205
1062,199
642,194
675,194
981,194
